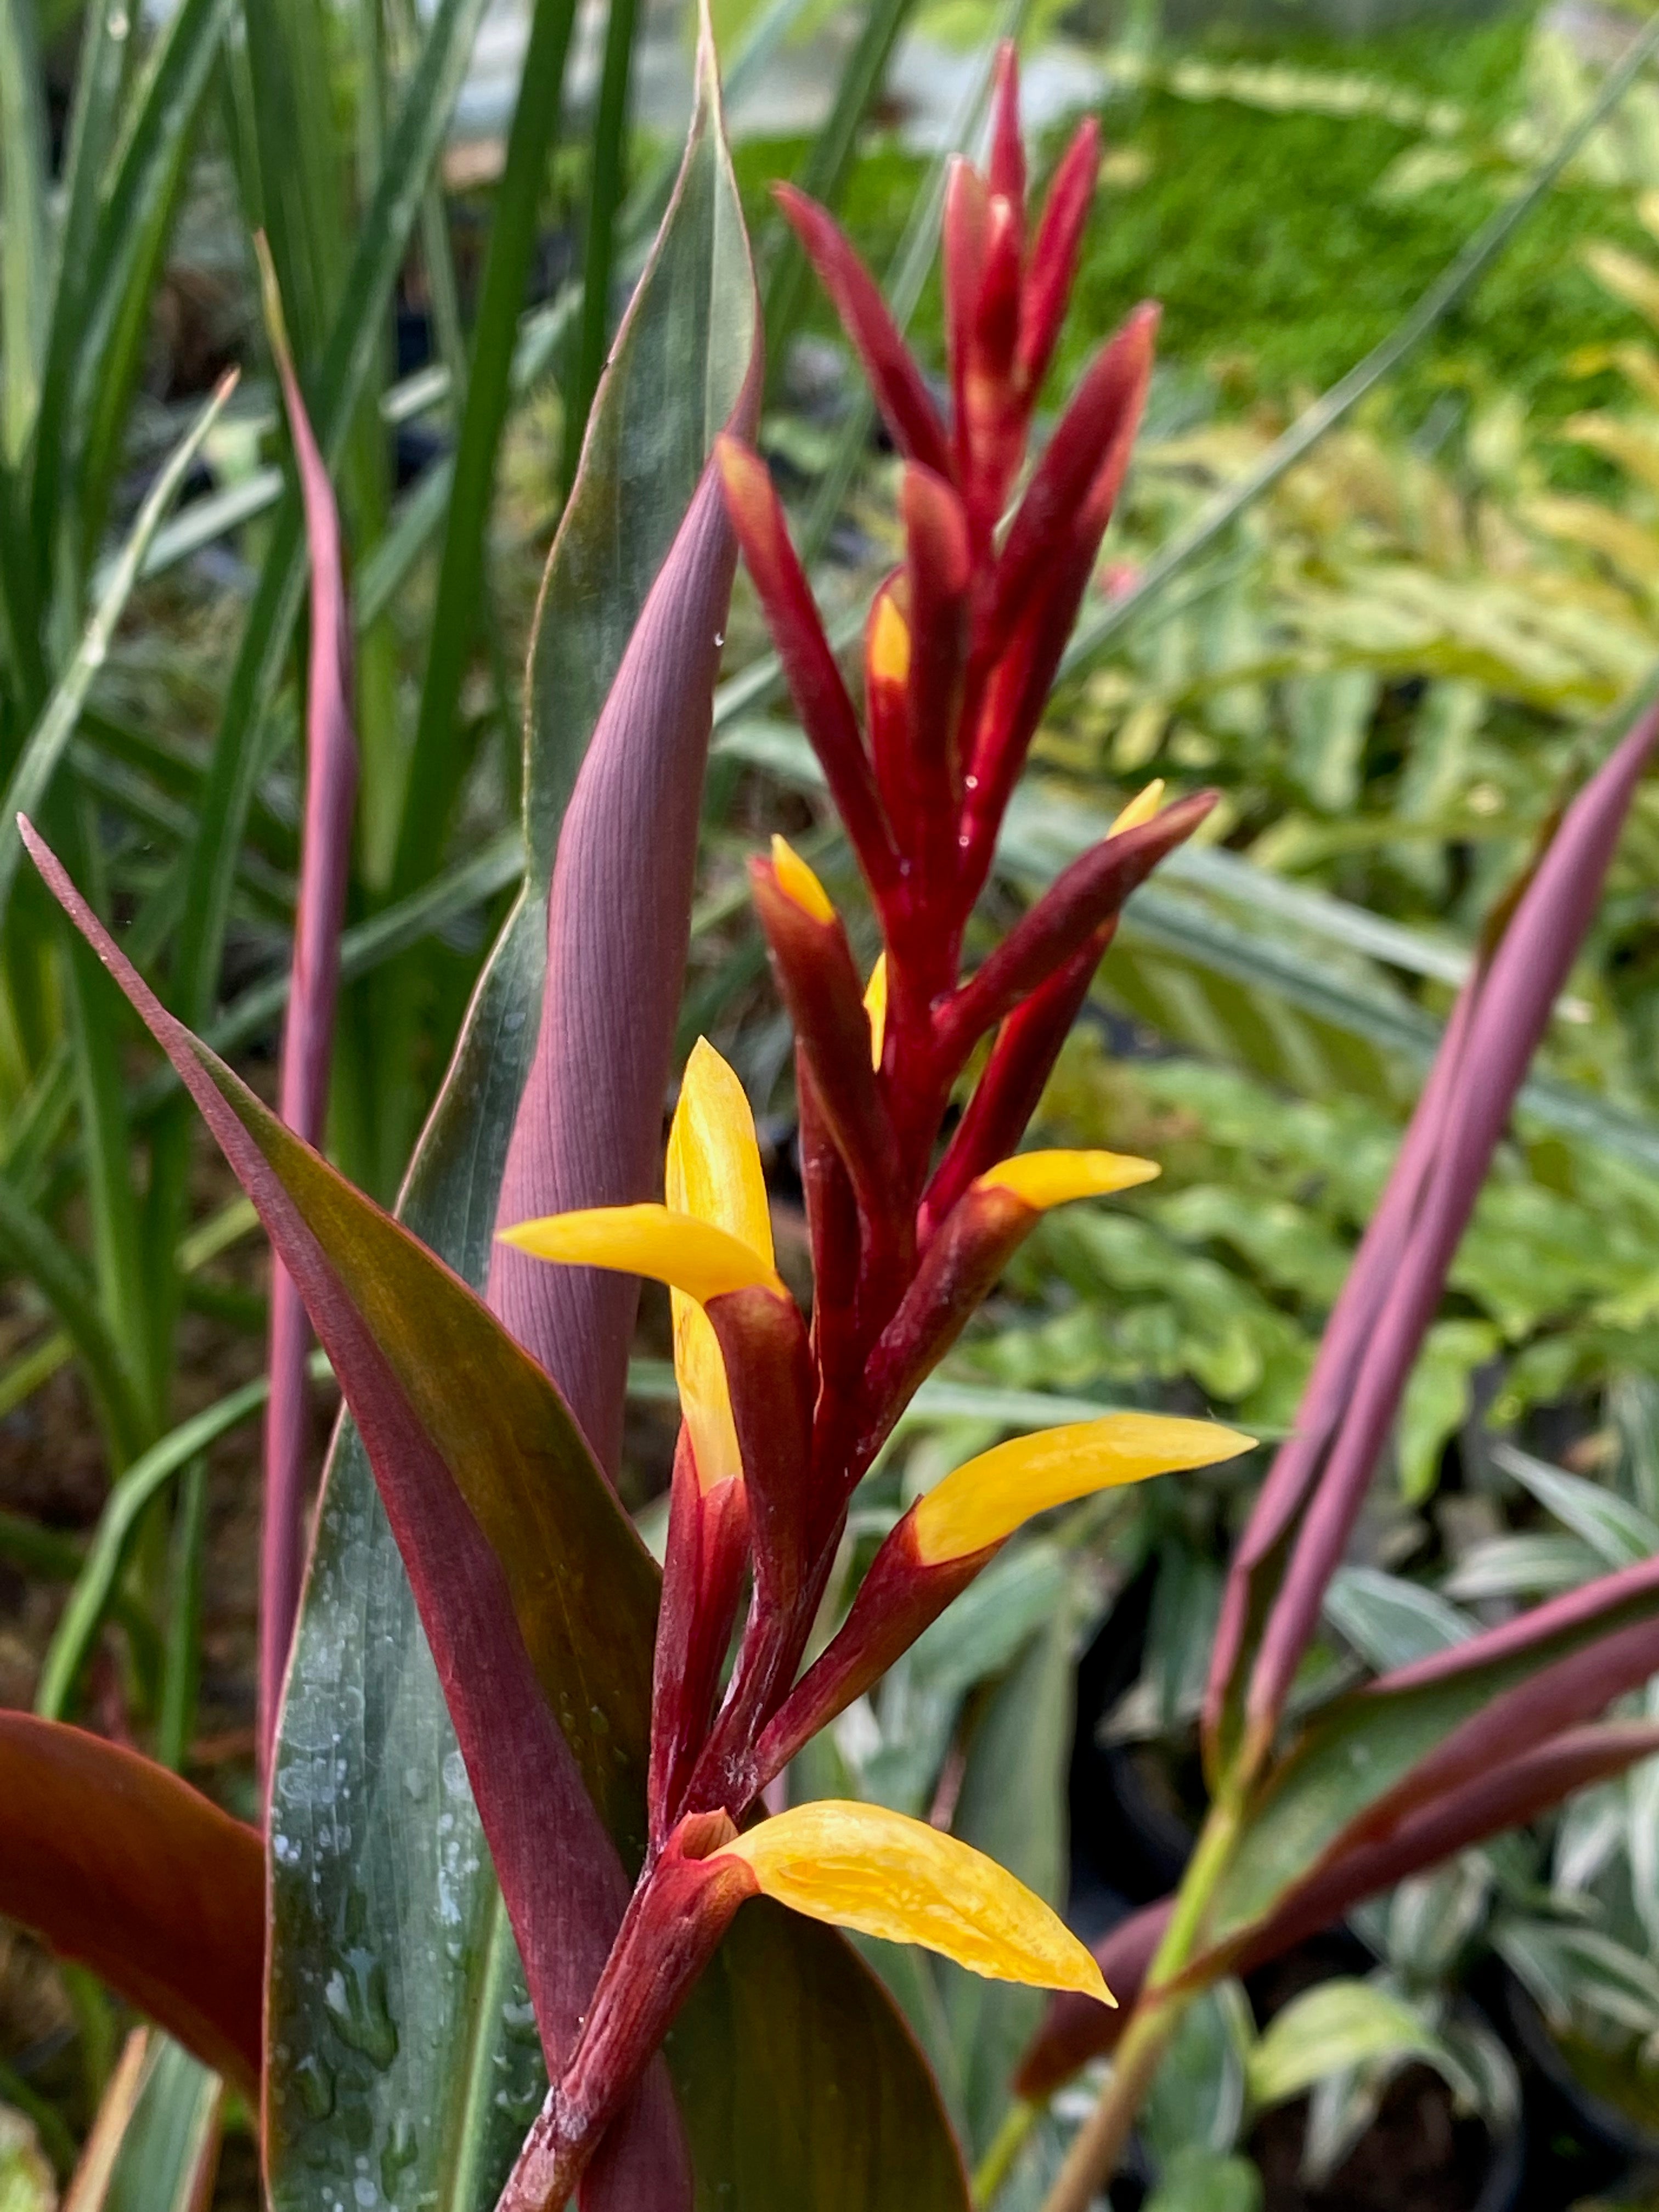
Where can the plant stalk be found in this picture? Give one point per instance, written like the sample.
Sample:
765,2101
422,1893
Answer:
1098,2148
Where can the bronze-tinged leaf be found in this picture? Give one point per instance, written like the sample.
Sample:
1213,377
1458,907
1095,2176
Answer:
115,1862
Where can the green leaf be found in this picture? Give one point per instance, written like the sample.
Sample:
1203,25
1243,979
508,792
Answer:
1012,1808
1336,2024
1618,1533
90,1600
426,2073
1200,2181
169,2147
23,187
43,749
1197,2098
1390,1621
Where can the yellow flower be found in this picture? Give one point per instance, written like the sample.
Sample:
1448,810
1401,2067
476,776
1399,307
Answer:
986,1500
864,1866
714,1235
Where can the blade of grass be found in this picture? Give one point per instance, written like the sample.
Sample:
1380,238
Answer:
436,761
96,1029
43,749
181,1658
24,182
83,409
106,44
29,1245
382,242
89,1600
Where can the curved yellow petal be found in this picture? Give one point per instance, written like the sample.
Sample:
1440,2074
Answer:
798,883
988,1499
864,1866
713,1173
1141,808
875,1004
1045,1179
689,1255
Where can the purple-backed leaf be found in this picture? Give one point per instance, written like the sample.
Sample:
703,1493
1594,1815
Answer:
1504,1796
115,1862
590,1125
1466,1107
1260,1557
1373,1758
535,1594
308,1025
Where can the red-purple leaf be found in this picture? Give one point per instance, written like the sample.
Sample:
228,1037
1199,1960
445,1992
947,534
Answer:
116,1862
1373,1758
589,1128
308,1025
498,1512
1439,1175
1503,1796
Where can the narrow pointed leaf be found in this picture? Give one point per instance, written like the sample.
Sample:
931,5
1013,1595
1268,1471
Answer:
308,1024
619,909
1511,1793
117,1863
1376,1757
159,2119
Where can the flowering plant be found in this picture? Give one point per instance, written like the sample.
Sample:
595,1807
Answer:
616,1765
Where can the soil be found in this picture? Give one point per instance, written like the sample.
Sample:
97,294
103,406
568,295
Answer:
1419,2156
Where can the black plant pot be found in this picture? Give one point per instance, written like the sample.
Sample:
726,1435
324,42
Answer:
1130,1836
1577,2142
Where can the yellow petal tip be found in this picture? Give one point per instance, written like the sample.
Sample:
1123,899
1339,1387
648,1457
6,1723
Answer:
798,883
875,1004
890,644
1141,808
1040,1180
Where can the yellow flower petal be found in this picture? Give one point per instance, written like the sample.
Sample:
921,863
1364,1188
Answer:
1141,808
863,1867
988,1499
677,1249
875,1004
714,1167
713,1173
1046,1179
798,883
890,644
